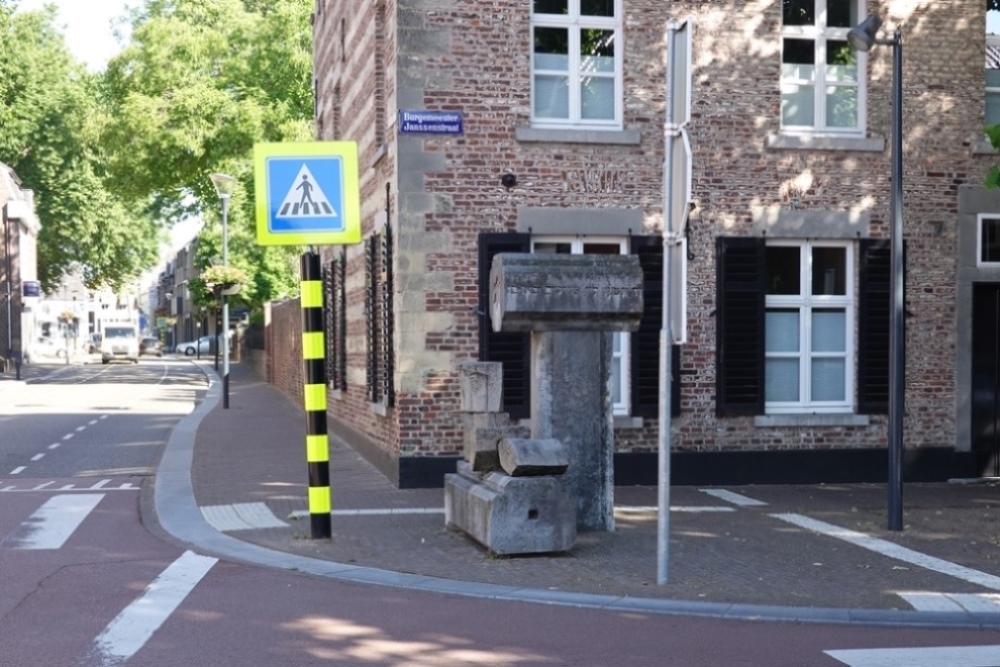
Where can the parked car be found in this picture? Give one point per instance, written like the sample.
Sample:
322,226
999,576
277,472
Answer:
43,347
150,347
201,346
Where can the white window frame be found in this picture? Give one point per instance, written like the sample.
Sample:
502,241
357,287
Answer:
980,221
820,34
573,22
622,340
805,303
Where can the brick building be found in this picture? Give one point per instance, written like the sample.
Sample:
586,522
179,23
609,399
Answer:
784,374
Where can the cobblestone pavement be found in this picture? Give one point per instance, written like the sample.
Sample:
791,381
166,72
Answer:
719,551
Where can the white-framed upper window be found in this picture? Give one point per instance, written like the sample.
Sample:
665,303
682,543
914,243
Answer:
576,63
822,87
992,67
594,245
809,347
988,240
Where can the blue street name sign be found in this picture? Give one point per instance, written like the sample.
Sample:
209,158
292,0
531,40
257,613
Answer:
430,122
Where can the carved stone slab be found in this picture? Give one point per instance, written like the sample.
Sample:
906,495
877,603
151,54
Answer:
551,292
526,457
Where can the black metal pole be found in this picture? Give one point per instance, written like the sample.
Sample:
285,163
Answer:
6,255
897,335
314,392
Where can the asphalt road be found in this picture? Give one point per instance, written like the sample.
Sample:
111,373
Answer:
83,583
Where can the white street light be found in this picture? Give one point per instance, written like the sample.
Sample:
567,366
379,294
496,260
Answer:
224,187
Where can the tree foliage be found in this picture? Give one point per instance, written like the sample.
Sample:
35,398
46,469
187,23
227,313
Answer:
50,123
200,84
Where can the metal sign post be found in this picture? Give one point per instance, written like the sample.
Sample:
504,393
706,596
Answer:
676,199
308,194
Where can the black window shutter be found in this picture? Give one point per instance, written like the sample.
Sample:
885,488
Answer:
645,347
874,323
511,349
739,312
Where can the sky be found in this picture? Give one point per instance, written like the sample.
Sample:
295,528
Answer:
87,27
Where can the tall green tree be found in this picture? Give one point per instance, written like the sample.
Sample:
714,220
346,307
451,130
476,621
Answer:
200,84
50,125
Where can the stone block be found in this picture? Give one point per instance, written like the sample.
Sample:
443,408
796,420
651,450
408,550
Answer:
481,437
511,515
528,457
551,292
481,385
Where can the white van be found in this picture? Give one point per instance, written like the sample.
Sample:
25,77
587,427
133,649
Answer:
120,342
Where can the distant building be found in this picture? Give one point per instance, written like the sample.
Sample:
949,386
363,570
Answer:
19,289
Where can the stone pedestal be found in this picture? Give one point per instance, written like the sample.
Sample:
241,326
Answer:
571,402
510,515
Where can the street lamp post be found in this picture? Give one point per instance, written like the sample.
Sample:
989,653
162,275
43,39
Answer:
224,186
862,37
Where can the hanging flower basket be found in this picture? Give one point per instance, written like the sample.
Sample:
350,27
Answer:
227,280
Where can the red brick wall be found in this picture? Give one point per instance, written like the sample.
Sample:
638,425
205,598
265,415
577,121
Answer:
444,191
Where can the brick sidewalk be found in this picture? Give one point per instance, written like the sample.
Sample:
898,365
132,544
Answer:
719,551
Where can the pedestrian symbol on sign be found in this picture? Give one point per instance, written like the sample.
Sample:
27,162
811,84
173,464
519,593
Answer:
305,198
307,193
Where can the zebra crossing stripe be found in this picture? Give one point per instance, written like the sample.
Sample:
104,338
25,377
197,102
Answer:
53,523
132,628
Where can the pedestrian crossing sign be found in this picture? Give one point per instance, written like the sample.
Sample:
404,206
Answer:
307,193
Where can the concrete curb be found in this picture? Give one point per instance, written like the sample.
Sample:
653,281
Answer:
177,513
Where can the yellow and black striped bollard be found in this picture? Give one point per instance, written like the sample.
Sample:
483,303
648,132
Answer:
314,364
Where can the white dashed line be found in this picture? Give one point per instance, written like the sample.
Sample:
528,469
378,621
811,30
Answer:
55,445
81,428
931,656
894,551
18,470
67,436
38,457
734,498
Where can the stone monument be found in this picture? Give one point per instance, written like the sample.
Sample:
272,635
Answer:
521,494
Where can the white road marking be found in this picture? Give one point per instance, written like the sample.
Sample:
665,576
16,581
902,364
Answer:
41,486
53,523
101,484
973,602
241,516
91,422
133,627
67,436
894,551
638,509
81,428
935,656
734,498
54,445
18,470
38,457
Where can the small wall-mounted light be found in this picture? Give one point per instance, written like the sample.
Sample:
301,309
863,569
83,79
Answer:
508,180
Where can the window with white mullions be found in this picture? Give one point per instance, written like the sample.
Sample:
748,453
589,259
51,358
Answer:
620,380
808,322
822,88
576,63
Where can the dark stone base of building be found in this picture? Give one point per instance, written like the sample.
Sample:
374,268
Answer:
765,467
